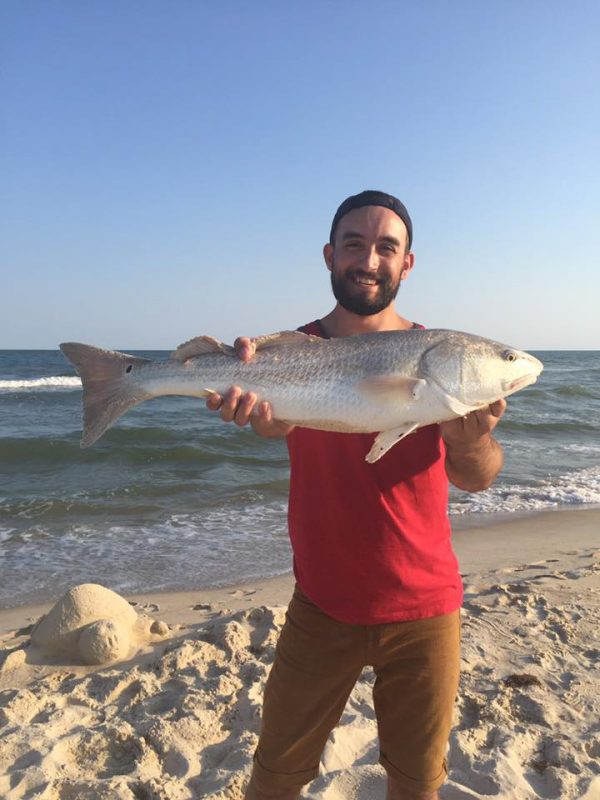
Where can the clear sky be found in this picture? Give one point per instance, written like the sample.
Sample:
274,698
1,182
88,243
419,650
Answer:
171,168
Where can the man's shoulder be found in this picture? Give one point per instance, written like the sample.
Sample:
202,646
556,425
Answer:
314,328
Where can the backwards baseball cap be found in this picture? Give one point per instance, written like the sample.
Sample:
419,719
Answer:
371,197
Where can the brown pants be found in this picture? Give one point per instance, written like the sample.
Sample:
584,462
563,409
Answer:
318,661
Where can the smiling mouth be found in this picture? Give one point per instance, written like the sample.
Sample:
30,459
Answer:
364,280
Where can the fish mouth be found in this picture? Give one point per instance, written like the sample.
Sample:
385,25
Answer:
520,383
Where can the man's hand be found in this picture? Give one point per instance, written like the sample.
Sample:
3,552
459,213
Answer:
235,406
465,430
473,457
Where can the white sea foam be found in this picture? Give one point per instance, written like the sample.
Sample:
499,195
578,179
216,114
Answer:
260,519
581,487
6,534
52,382
224,545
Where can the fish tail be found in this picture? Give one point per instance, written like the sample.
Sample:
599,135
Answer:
107,392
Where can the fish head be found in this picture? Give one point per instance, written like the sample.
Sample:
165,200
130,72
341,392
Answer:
473,372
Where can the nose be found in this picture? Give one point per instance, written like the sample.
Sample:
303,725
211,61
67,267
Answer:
371,260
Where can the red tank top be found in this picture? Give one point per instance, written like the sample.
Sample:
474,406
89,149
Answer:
371,542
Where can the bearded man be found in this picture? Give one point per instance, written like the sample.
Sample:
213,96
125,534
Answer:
377,581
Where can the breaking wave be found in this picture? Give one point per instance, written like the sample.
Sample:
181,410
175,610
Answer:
581,487
51,383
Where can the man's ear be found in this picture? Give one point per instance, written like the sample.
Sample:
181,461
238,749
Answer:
409,262
328,255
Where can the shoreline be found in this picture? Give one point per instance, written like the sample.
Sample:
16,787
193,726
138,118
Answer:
515,539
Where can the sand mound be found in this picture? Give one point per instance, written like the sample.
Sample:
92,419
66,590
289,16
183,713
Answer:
95,625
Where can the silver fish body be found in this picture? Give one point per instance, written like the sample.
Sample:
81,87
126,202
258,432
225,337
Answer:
390,382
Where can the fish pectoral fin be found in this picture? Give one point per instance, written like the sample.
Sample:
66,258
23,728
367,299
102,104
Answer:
284,337
385,440
392,388
458,408
201,346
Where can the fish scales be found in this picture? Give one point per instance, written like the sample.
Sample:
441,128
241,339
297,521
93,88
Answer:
388,382
313,381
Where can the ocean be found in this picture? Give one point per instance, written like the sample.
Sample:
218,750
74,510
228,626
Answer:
172,498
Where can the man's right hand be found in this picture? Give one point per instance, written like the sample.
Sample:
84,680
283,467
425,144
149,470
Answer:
235,406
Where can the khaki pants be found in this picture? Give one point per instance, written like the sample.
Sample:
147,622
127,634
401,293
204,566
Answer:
318,661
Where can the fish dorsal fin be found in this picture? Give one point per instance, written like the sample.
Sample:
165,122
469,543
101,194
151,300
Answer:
201,346
385,440
392,388
284,337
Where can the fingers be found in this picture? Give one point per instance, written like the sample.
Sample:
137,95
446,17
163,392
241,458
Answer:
245,347
473,426
241,408
262,420
234,406
265,412
266,425
213,401
486,419
498,408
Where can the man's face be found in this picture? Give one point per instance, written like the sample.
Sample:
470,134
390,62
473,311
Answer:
368,259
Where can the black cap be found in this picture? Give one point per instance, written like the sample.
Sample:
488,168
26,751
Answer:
371,197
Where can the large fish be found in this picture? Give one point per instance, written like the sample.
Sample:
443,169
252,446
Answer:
391,382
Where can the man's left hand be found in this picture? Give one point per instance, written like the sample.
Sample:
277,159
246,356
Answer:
473,456
469,429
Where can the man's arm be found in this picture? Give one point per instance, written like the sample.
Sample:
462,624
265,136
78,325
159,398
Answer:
473,457
237,407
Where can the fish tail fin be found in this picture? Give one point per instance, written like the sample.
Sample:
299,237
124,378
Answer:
107,392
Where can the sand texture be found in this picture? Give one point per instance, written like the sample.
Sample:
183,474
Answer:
180,719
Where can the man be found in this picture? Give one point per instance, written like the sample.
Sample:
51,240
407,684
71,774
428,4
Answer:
377,580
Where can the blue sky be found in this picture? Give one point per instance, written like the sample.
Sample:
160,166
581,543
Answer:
171,168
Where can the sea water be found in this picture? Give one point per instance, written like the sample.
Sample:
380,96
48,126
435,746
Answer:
172,498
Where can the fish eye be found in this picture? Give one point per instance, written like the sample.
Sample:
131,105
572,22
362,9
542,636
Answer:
510,355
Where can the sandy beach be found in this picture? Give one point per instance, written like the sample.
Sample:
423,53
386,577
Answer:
179,717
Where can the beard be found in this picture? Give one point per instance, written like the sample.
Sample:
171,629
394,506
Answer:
349,296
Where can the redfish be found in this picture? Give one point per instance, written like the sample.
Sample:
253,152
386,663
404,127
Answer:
391,382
